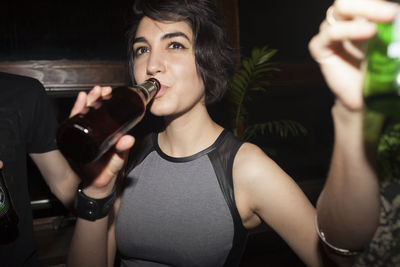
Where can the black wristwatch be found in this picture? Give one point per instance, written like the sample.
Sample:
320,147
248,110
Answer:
90,208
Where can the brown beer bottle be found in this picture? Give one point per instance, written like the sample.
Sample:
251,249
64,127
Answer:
88,135
8,216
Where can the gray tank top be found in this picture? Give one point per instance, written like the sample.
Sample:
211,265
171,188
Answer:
179,211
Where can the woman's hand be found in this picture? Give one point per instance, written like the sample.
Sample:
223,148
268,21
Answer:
99,176
339,45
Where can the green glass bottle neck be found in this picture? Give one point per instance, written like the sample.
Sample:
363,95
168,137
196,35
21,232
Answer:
149,88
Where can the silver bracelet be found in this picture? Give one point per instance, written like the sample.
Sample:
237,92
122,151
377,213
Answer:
340,251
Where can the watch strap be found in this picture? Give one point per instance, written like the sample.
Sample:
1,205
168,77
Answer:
92,208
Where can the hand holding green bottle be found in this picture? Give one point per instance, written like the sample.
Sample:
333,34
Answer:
381,89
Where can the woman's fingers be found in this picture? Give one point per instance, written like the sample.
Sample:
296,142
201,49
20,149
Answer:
105,91
93,95
108,168
121,147
347,25
124,143
350,21
358,29
97,92
339,45
85,100
102,171
372,10
329,41
80,104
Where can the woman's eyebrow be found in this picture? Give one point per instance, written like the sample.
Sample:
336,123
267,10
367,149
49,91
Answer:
164,37
139,40
175,34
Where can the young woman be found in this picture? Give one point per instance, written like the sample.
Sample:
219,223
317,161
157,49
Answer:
191,190
358,215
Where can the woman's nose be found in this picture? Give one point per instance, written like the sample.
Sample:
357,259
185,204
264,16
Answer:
155,64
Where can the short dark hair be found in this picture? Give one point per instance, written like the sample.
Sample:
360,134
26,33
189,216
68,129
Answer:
214,55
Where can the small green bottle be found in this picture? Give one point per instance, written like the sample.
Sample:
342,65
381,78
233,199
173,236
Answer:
8,216
381,89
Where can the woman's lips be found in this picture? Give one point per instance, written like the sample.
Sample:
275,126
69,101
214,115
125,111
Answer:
162,91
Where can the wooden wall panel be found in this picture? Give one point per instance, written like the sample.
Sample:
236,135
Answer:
82,75
230,10
70,75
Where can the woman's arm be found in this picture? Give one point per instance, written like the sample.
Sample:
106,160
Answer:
348,207
264,192
89,245
93,242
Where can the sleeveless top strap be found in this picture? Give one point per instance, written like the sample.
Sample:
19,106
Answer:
222,159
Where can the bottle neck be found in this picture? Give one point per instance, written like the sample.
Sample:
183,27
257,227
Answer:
2,180
393,50
149,88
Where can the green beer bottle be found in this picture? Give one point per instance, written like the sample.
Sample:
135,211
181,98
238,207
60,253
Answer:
8,216
381,89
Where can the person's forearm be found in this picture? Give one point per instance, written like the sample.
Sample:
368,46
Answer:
92,242
348,207
65,190
58,175
89,244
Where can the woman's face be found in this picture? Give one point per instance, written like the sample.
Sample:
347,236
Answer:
164,50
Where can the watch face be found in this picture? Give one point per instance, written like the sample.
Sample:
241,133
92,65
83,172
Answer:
93,209
86,207
90,207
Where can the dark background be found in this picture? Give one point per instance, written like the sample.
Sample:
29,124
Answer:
54,30
94,30
288,26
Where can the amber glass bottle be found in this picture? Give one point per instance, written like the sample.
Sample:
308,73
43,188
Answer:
8,215
88,135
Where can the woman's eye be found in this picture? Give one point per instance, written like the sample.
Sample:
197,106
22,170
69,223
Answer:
141,50
175,45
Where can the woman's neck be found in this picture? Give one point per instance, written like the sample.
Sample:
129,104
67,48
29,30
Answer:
188,134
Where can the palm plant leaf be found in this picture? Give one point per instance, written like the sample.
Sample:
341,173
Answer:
252,78
283,128
249,78
252,68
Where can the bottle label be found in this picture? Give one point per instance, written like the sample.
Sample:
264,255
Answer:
3,202
394,47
